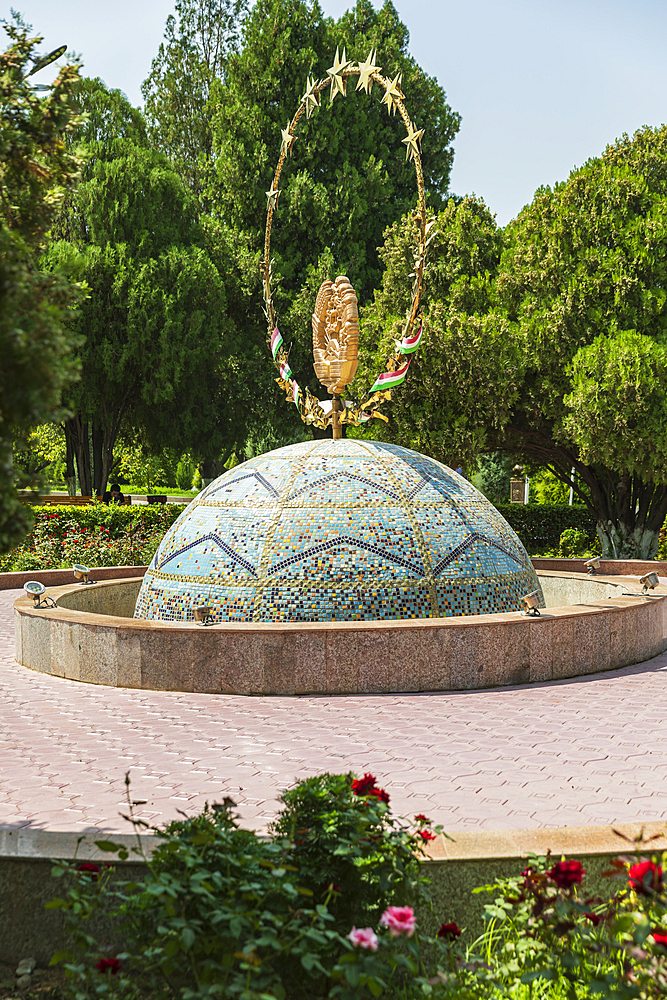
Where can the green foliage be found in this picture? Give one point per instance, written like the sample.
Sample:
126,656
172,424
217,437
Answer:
36,171
194,53
185,470
98,535
540,526
351,842
169,357
347,177
223,912
552,346
454,397
493,477
573,543
544,928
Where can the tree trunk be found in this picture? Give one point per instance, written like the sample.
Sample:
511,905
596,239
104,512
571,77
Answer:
211,469
70,473
77,430
630,514
97,437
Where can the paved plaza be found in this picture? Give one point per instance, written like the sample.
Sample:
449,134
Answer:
569,753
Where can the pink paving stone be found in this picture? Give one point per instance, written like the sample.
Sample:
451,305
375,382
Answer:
572,752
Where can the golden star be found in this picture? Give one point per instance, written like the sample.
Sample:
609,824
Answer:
310,97
366,70
272,198
413,142
336,71
393,94
288,140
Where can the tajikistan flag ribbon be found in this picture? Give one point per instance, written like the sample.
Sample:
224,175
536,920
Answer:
295,392
276,342
389,380
285,372
410,344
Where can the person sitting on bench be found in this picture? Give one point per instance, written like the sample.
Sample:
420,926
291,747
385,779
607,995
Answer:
113,495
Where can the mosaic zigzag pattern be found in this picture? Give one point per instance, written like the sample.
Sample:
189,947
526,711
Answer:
337,530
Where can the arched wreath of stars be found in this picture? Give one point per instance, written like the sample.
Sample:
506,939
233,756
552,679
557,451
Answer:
311,409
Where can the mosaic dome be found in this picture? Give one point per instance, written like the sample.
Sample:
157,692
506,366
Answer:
337,530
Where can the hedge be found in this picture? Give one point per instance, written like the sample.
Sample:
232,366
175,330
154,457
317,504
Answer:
539,526
98,534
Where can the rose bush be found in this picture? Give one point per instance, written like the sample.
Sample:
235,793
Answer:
543,927
97,535
222,912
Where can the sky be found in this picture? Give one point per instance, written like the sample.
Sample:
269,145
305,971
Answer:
541,85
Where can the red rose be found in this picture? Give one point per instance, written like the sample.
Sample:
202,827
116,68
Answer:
420,818
567,873
380,794
594,918
660,937
449,931
89,868
111,965
645,878
426,835
363,786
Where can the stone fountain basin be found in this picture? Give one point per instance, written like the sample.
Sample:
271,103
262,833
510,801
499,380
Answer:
587,627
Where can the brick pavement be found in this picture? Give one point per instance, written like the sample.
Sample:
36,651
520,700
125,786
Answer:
586,751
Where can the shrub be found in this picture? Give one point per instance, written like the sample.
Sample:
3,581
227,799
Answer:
539,526
343,835
544,927
572,543
222,912
98,535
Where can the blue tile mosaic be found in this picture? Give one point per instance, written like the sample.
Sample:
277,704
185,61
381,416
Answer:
336,531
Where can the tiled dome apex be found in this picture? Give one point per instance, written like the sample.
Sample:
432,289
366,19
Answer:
333,531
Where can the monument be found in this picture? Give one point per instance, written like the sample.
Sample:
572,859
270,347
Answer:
339,529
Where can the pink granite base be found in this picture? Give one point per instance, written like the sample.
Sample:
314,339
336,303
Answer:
78,641
61,577
608,567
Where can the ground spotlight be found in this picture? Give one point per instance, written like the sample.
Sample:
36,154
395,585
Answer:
530,602
82,573
35,590
203,615
649,582
592,564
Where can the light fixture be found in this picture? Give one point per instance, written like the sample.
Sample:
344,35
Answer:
592,564
35,590
649,582
530,602
82,573
203,615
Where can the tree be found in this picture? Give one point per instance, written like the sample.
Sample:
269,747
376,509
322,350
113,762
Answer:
556,349
450,403
194,53
347,178
165,360
153,323
36,171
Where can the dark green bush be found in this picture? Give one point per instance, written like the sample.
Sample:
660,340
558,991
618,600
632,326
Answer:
98,534
222,912
344,839
539,526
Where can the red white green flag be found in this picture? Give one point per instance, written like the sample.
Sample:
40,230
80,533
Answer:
285,372
390,380
276,342
410,344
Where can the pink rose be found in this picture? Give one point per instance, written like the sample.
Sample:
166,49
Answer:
399,920
363,937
